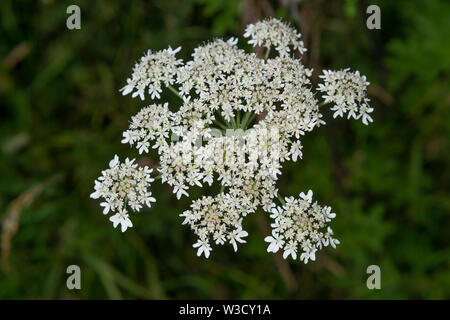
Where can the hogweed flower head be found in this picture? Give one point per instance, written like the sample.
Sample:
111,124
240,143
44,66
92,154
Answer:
152,70
122,186
300,223
274,33
218,219
347,90
241,118
151,125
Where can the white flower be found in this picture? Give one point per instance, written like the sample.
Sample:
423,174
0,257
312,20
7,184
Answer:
273,32
107,207
203,247
127,137
275,242
290,249
114,162
121,218
329,239
122,185
152,123
180,190
303,224
364,112
276,212
307,197
239,120
143,146
153,69
98,190
219,217
149,199
219,237
334,242
308,255
347,90
296,150
328,214
236,235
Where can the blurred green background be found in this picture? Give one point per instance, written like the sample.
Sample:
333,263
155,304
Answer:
62,118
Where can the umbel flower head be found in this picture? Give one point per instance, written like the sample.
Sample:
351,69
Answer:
153,69
347,90
241,118
274,33
301,223
123,185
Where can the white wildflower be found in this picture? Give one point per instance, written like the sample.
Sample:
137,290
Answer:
347,90
203,247
153,69
275,242
304,223
123,185
240,119
273,32
121,218
237,235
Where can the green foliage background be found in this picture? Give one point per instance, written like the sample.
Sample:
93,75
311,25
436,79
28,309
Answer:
62,118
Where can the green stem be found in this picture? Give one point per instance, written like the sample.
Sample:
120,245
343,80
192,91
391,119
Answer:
229,125
175,91
250,120
233,122
220,124
244,120
266,56
281,199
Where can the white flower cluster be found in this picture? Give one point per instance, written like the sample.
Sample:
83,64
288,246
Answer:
220,218
123,185
274,33
241,117
153,69
233,159
152,123
301,223
347,90
220,82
